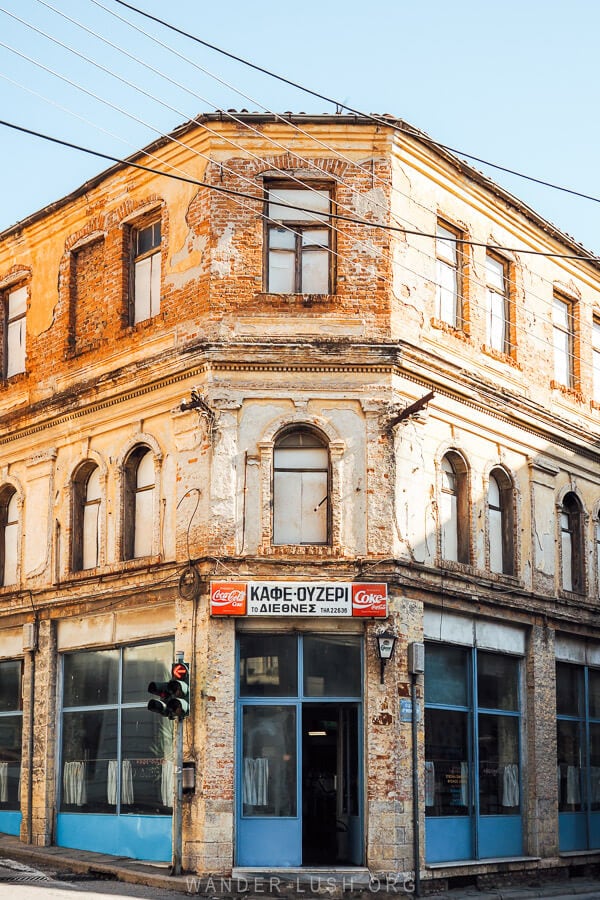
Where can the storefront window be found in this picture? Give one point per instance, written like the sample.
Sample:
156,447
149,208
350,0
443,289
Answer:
269,761
116,755
268,665
11,723
332,666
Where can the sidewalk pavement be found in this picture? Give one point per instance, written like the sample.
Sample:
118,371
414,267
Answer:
82,862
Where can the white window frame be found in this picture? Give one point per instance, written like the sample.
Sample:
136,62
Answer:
295,240
596,358
497,304
301,489
449,276
563,339
146,272
10,538
16,330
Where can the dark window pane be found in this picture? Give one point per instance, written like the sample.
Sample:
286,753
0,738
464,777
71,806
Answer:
332,666
10,685
594,693
570,771
446,675
595,766
269,761
569,690
447,782
497,681
499,791
89,761
143,664
10,760
91,678
268,665
147,763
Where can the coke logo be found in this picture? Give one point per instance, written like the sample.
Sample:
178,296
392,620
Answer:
364,598
231,597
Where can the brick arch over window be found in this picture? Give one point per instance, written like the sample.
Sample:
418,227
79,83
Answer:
9,535
501,522
455,530
572,543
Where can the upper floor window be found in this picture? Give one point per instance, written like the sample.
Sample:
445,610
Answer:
299,241
498,311
596,358
300,489
146,272
454,509
86,517
9,525
501,523
138,519
563,330
449,306
572,544
15,318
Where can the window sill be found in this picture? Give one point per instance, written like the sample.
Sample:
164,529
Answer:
461,333
299,300
569,392
302,550
451,565
573,596
501,357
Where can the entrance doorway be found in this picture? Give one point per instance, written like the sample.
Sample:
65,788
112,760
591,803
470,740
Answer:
299,759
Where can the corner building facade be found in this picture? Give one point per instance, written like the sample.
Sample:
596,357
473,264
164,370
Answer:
389,424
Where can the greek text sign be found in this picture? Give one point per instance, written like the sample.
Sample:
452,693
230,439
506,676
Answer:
297,598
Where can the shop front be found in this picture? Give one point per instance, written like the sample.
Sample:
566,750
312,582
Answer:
299,720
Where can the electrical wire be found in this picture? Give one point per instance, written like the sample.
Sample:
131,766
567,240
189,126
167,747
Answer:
381,120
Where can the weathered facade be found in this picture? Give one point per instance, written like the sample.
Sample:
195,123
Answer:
219,392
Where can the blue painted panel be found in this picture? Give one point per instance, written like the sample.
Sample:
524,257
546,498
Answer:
10,821
448,838
139,837
269,842
572,831
594,830
500,836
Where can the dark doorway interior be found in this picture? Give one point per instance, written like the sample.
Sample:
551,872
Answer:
329,784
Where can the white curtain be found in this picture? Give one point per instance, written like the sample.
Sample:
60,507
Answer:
510,785
166,782
429,783
126,782
256,781
74,786
3,782
111,782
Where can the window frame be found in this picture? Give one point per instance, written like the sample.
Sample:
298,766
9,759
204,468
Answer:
505,293
462,518
298,227
506,508
8,495
7,370
80,502
17,713
458,268
571,514
569,332
136,258
596,359
323,443
131,490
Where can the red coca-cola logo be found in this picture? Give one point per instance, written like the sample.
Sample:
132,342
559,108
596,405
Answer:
369,600
228,599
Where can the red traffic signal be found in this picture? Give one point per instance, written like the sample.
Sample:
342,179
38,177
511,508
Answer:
174,695
180,671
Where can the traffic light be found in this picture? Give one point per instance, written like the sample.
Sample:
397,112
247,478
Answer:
174,695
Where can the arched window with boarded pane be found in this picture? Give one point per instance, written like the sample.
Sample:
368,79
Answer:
501,523
301,488
454,509
572,544
9,530
86,517
139,503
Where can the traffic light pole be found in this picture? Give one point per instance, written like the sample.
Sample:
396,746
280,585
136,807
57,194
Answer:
178,792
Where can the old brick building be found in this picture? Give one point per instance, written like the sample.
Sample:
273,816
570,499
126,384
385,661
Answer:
326,381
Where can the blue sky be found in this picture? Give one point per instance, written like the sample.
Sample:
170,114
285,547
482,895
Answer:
516,83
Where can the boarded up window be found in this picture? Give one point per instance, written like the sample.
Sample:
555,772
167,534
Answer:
16,309
88,312
300,490
298,241
9,525
146,272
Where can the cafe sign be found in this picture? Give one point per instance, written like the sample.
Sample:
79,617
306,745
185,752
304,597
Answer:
298,598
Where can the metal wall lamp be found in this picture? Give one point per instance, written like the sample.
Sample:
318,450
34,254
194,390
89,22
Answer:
386,641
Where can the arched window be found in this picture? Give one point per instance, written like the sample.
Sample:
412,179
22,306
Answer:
454,509
86,517
571,539
138,518
9,524
300,489
501,523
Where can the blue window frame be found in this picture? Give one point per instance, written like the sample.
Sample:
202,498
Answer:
11,730
472,753
578,756
299,707
116,766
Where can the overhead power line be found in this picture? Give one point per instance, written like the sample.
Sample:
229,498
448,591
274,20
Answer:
380,120
128,163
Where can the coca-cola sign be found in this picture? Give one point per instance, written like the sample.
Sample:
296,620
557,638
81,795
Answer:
298,598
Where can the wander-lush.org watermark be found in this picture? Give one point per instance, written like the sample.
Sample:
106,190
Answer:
389,882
